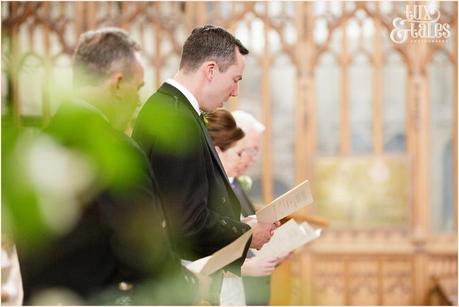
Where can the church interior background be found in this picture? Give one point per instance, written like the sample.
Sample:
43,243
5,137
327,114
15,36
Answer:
371,123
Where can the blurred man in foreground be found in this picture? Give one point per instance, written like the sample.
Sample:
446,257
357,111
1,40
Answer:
116,248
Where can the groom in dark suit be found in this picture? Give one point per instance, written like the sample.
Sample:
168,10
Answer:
198,200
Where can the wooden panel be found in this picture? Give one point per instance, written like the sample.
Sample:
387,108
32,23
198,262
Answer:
13,72
363,282
47,77
423,160
397,282
266,111
157,60
309,118
300,110
328,280
377,90
345,135
281,285
442,265
368,268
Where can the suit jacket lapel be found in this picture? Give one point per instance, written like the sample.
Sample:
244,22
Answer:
210,143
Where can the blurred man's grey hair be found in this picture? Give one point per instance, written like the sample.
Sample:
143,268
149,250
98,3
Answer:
102,52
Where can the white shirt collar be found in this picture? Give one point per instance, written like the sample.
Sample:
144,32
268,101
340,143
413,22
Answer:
188,95
231,179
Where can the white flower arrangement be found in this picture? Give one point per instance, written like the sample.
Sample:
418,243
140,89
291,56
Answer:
245,182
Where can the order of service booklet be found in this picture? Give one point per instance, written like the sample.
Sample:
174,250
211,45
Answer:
291,201
288,237
221,258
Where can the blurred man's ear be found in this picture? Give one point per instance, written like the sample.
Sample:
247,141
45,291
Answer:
115,81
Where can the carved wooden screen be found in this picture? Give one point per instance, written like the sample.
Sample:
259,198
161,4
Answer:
362,167
337,97
38,40
324,77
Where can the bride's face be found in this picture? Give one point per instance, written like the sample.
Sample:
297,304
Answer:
231,158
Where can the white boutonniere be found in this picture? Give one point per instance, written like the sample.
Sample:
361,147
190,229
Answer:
245,182
204,118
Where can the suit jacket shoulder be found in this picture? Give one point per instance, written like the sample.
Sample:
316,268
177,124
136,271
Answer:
166,124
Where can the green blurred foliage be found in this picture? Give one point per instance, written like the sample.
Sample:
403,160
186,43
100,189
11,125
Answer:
82,134
118,165
20,210
168,128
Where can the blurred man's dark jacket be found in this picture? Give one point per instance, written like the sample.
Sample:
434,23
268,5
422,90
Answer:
119,251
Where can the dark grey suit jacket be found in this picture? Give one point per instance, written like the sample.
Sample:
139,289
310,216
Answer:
121,235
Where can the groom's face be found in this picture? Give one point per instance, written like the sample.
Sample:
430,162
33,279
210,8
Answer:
225,84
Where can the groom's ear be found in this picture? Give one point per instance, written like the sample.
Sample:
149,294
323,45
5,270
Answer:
209,69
